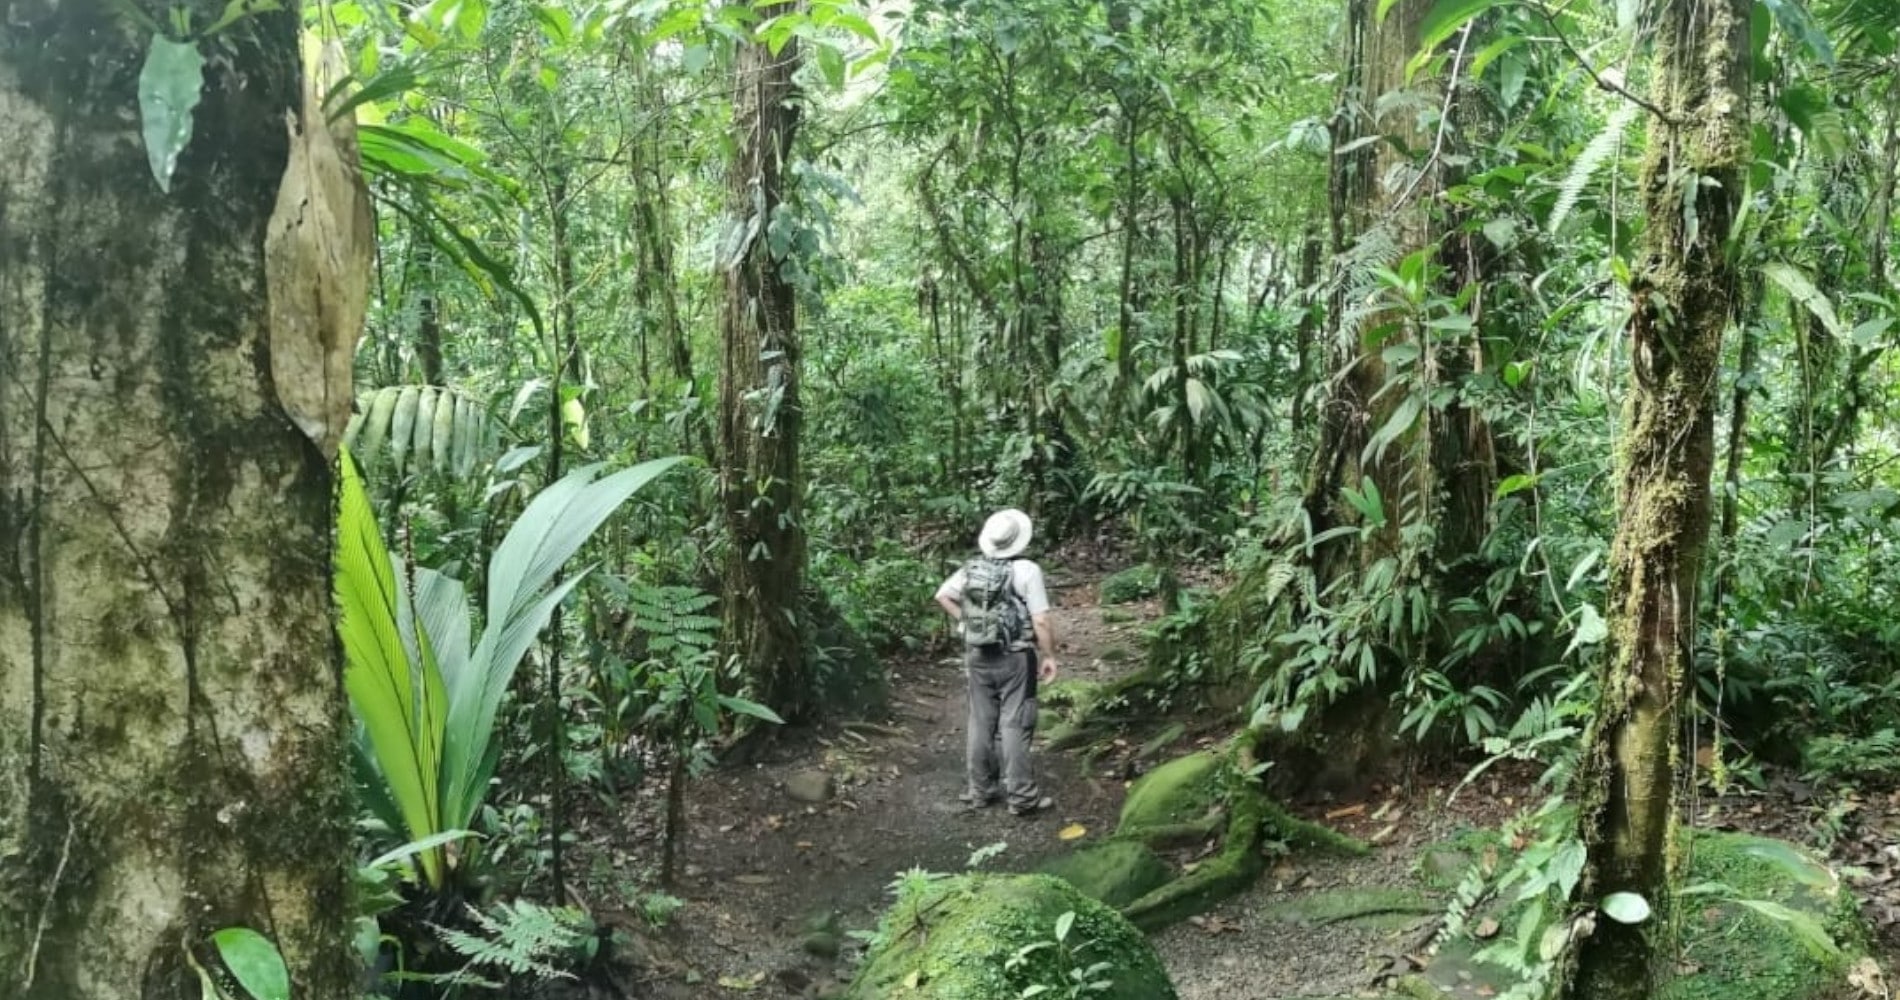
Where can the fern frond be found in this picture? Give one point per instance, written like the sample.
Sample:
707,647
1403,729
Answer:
522,937
1593,156
670,616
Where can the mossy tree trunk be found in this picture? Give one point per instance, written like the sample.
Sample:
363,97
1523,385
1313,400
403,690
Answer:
1382,195
759,408
1684,289
172,726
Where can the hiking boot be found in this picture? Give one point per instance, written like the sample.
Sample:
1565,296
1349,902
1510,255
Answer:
1032,808
972,800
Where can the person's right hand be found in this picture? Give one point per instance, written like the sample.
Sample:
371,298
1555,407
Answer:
1047,672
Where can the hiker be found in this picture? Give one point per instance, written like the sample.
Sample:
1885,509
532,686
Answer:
1002,613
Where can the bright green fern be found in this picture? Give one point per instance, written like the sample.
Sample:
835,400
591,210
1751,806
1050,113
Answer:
524,938
1593,156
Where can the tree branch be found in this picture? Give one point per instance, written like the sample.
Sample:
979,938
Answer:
1603,83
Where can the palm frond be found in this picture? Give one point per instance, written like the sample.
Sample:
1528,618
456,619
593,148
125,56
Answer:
419,428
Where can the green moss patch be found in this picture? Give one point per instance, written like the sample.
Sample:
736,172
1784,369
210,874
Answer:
1781,927
1380,908
1443,865
1065,693
1183,790
1758,919
1116,872
954,940
1131,584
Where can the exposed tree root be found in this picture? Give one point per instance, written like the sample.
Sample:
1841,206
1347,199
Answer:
1252,821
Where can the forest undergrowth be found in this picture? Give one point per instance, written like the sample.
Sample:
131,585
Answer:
794,855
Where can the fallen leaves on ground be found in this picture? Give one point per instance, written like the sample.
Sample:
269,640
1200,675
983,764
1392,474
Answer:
1074,831
1214,924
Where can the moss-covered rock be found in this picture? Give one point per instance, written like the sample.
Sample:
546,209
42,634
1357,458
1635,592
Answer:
1116,872
1068,693
1131,584
955,939
1183,790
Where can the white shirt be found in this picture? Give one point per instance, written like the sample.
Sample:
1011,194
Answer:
1025,576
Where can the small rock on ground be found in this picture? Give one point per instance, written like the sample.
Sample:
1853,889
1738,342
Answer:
811,787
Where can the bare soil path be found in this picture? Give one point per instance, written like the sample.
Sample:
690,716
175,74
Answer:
763,868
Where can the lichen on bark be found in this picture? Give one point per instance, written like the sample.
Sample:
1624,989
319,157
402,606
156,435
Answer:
172,724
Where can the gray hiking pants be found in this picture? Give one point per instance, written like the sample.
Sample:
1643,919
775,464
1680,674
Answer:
1002,701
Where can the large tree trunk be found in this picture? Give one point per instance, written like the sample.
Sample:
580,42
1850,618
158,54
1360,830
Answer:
172,725
1427,472
1348,415
759,409
1685,287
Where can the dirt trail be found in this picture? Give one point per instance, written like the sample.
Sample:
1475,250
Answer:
761,867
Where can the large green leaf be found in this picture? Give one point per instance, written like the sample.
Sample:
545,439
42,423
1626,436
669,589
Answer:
553,527
1625,907
442,607
468,756
396,689
1802,289
169,86
522,597
254,962
404,429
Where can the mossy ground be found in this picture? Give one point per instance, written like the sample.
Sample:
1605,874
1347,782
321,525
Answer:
1728,948
954,939
1382,908
1116,872
1735,952
1131,584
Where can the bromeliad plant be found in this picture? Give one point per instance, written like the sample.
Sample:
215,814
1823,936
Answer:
425,697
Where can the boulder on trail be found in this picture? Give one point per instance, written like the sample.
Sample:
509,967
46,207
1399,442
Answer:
964,938
1182,791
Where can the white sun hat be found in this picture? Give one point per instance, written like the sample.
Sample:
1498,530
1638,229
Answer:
1005,534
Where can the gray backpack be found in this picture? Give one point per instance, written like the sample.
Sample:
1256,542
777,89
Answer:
993,613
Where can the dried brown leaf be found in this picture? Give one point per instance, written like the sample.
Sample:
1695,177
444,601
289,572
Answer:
317,255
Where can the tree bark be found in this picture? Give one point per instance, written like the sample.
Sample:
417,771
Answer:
1441,470
1303,334
1684,289
1347,416
172,728
759,408
1126,334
